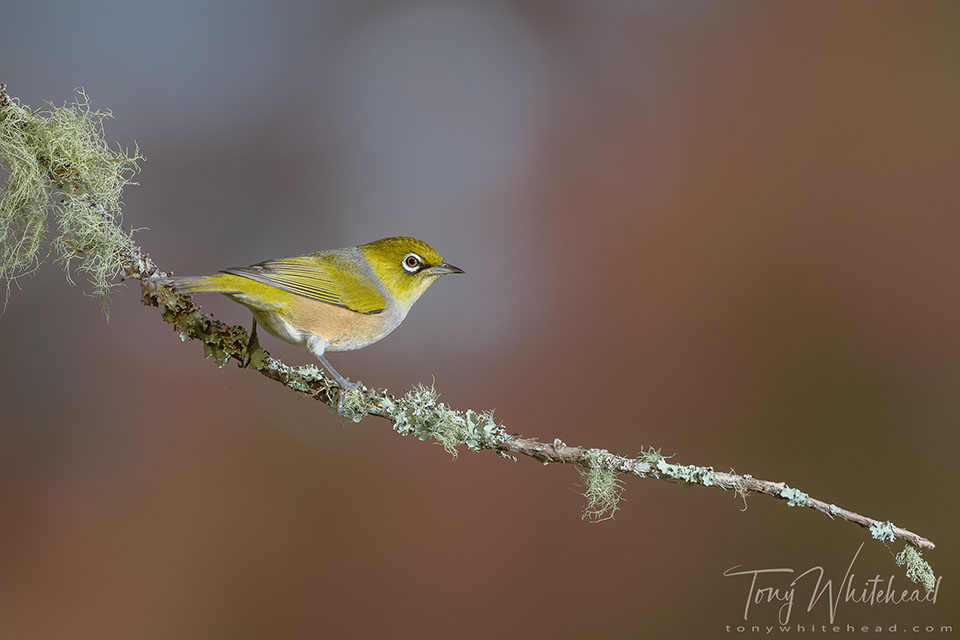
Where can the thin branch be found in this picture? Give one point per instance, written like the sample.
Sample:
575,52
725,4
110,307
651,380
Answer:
418,412
231,342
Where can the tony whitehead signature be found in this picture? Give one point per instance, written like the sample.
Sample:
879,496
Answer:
872,593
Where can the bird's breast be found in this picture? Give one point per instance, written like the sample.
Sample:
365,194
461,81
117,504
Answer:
341,329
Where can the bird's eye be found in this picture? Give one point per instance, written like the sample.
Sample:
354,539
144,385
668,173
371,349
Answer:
411,262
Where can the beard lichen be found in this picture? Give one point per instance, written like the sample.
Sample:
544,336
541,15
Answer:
56,160
602,490
918,569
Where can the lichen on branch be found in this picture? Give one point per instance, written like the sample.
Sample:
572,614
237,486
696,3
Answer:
918,570
57,161
603,490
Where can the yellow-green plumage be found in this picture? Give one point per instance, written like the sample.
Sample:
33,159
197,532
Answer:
332,300
321,277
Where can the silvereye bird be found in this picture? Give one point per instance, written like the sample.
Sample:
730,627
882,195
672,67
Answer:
334,300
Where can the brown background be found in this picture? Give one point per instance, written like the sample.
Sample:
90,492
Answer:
727,229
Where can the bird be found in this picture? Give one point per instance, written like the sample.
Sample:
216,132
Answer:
332,300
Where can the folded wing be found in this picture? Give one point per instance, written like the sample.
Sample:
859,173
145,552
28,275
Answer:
320,278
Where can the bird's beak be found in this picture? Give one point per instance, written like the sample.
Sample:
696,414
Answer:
444,269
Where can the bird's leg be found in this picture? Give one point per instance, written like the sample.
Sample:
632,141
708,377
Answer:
317,346
252,345
345,384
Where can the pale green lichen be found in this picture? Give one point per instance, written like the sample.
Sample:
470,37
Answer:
309,372
739,488
298,377
651,456
794,497
602,490
918,569
687,472
883,531
707,477
418,413
356,402
297,385
60,153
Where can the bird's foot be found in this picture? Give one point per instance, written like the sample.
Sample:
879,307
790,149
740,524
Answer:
344,383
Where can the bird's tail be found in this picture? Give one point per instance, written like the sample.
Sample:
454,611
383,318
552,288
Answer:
217,283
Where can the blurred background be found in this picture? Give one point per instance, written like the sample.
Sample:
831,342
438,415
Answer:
727,229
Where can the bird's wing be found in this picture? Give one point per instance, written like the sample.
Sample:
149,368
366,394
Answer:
321,278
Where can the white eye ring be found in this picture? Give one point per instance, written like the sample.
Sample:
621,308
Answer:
411,263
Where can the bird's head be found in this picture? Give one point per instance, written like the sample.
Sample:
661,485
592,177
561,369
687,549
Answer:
406,266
